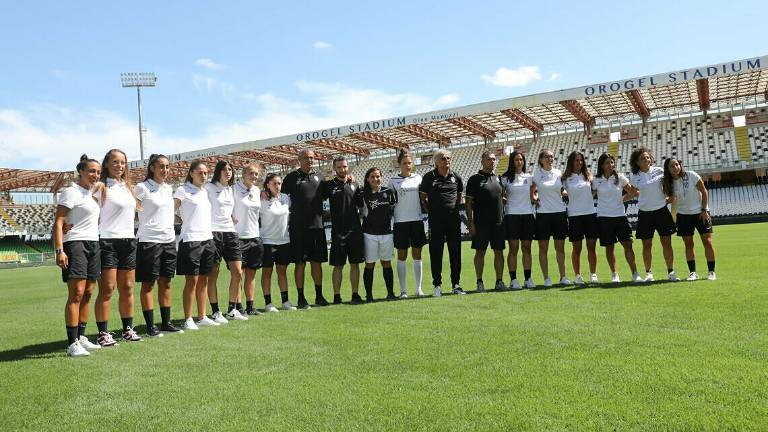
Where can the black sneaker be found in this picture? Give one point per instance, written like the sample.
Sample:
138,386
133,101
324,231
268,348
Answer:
356,299
337,299
154,332
391,296
302,304
369,298
252,312
321,301
170,328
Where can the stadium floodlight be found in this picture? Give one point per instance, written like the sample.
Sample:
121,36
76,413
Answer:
139,80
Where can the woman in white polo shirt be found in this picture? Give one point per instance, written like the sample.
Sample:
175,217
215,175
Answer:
692,200
196,248
117,243
611,217
156,252
246,215
582,217
275,207
77,252
519,222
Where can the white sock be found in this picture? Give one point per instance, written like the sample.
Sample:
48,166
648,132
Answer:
401,276
417,273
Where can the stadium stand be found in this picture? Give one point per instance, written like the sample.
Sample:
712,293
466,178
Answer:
34,219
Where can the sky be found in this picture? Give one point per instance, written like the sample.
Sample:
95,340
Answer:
237,71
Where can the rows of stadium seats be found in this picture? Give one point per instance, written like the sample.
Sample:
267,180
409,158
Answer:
36,218
739,200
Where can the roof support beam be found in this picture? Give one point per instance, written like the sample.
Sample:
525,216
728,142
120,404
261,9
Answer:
379,140
339,146
28,180
11,173
522,118
474,127
639,104
422,132
267,157
294,151
580,113
702,90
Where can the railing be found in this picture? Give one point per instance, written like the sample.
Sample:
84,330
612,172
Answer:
30,259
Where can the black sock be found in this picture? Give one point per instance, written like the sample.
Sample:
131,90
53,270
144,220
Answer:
249,305
149,318
231,306
691,266
497,281
127,322
648,271
300,291
711,266
165,315
71,334
513,275
214,308
670,270
319,290
389,280
239,306
368,281
527,273
267,299
102,326
479,280
284,296
81,329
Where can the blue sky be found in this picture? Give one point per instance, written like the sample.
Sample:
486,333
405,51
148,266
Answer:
236,71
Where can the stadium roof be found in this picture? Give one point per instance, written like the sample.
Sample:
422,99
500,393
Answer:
700,89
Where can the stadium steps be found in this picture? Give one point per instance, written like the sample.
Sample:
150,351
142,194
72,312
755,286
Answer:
742,143
9,220
503,164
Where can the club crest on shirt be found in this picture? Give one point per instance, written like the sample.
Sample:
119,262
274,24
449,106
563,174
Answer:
453,179
314,178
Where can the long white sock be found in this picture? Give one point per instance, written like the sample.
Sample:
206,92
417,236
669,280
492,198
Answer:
401,276
417,273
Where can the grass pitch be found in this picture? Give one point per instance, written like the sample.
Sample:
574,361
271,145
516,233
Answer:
690,356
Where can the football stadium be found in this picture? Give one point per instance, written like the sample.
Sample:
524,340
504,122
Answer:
630,354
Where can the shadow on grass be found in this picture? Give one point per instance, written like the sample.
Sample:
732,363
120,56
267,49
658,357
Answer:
39,351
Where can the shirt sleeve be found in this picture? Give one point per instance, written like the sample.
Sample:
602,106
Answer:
459,184
180,194
289,183
67,198
471,187
623,180
140,191
426,184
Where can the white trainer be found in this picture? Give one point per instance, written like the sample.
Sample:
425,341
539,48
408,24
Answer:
692,277
565,281
419,292
500,286
711,276
578,281
514,285
218,317
88,345
636,277
615,278
672,276
529,284
207,322
287,306
593,278
438,292
547,282
403,295
235,314
77,350
480,287
189,324
649,277
271,308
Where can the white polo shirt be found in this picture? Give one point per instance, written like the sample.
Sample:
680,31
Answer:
195,211
118,211
157,213
83,213
408,207
222,206
580,199
610,202
687,196
274,220
247,209
518,194
549,186
651,193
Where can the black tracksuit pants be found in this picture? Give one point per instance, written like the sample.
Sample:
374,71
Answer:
445,228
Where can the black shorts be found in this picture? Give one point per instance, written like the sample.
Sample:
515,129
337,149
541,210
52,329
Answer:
154,260
84,260
277,254
614,229
253,251
308,244
584,226
347,246
657,220
520,226
118,253
488,233
409,234
687,223
227,246
195,258
553,225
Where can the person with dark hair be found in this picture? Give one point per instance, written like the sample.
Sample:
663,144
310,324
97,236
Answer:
582,216
306,226
441,192
688,192
222,199
653,214
551,216
377,203
77,252
156,252
485,218
246,215
346,232
275,210
611,217
519,223
196,248
408,230
117,244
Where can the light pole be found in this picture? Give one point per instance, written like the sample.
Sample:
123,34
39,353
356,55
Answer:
139,80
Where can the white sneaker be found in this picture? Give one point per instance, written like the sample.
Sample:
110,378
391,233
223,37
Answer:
565,281
403,295
271,308
578,281
673,277
77,350
88,345
438,292
593,278
547,282
636,277
207,322
419,292
692,277
287,306
615,278
189,324
219,318
235,314
711,276
480,287
649,277
529,284
515,285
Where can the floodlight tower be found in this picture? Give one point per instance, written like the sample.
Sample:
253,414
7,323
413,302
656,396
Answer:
139,80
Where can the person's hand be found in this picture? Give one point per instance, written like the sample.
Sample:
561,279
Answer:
264,195
62,260
234,220
66,228
350,178
705,217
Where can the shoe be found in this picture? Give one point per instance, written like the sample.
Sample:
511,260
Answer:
673,277
235,315
391,296
692,277
649,277
515,285
480,287
565,281
303,304
636,277
287,306
403,295
615,278
130,336
189,324
419,292
252,312
170,328
321,301
547,282
529,284
593,278
218,317
500,286
154,332
578,281
356,299
337,299
271,308
77,350
207,322
457,290
438,291
88,345
106,339
369,298
711,276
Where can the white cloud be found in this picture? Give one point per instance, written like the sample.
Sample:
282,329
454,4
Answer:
554,76
209,64
321,45
520,77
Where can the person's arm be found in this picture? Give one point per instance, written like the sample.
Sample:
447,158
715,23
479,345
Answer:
534,195
470,219
705,216
58,236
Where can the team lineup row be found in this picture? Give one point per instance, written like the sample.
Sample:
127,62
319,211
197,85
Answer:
268,228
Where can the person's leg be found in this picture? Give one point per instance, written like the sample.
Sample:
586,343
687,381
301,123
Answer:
75,292
298,278
576,256
544,258
453,236
709,250
629,254
201,293
386,268
125,288
525,245
336,279
188,295
266,284
648,254
669,254
479,265
354,277
213,295
107,285
148,303
368,280
402,274
560,256
85,303
690,253
164,299
592,255
498,263
249,287
317,278
282,281
236,275
417,268
436,242
610,256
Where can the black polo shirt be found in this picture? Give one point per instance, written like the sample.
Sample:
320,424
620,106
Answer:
345,216
306,200
441,191
485,191
379,207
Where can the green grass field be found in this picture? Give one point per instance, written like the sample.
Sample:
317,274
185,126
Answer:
684,356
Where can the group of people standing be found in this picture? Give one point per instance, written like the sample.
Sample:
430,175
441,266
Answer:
271,223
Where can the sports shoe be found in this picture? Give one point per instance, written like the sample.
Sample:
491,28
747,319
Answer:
515,285
287,306
403,295
337,299
529,284
303,304
106,339
321,301
593,278
547,282
457,290
692,277
356,299
711,276
480,287
130,336
500,286
615,278
636,277
438,291
154,332
218,317
252,312
391,296
578,281
419,292
235,314
672,276
649,277
77,350
189,324
271,308
207,322
565,281
170,328
88,345
369,298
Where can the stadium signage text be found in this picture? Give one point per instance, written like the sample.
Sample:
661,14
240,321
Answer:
351,129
